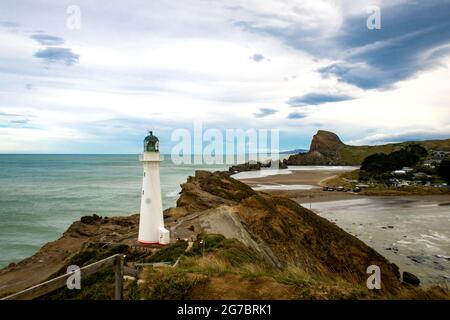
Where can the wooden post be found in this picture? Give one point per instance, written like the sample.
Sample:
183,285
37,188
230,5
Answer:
118,270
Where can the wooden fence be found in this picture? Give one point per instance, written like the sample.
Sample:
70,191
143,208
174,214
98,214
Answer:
39,290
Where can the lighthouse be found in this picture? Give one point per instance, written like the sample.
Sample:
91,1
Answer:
151,221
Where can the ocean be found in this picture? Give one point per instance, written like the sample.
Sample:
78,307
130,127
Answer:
41,195
412,233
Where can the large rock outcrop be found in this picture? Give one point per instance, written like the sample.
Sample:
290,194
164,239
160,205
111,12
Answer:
278,228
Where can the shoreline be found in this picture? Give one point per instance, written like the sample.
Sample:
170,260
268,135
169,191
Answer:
315,179
50,257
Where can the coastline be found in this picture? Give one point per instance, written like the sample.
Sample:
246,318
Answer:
315,179
382,221
51,258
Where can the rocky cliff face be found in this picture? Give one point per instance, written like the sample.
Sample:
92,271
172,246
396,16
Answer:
280,229
325,142
324,150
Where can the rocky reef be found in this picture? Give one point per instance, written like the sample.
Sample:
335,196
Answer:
255,166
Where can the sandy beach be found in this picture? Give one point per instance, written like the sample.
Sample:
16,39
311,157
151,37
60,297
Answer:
287,185
311,178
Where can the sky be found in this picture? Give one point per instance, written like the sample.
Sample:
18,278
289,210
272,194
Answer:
93,76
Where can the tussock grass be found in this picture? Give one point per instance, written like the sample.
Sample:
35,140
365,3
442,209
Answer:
169,284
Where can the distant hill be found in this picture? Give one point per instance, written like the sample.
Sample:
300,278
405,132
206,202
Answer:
327,149
295,151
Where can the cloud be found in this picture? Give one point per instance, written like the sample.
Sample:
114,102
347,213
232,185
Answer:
55,54
317,99
12,120
296,115
22,121
416,135
411,39
257,57
6,114
9,24
46,39
264,112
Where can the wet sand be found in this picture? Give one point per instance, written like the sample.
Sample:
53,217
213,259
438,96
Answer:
316,178
312,177
303,177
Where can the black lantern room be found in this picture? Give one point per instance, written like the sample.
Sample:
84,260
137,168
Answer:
151,143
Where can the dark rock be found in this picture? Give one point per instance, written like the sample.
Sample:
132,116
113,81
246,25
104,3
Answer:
411,279
90,219
254,166
417,259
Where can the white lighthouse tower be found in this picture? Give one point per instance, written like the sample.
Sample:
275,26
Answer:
151,222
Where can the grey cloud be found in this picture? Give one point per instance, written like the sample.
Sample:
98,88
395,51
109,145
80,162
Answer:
296,115
410,40
9,24
46,39
23,121
264,112
56,54
317,99
5,114
257,57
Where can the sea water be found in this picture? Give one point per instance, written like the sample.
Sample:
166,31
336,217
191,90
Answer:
412,233
41,195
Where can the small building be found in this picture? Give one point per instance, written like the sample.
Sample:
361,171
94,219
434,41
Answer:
404,183
399,172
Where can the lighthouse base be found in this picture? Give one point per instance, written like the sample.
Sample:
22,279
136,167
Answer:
150,244
164,238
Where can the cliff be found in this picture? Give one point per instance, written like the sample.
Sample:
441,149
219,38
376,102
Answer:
327,149
228,242
281,229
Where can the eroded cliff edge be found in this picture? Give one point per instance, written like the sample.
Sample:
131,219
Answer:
268,237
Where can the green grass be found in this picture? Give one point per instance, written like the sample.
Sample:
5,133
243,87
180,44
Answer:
169,254
169,284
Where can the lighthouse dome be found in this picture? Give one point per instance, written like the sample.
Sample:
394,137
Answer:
151,143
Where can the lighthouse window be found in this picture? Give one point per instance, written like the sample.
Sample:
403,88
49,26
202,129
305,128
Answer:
144,173
142,191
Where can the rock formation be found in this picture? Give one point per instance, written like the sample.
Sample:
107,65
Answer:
327,149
